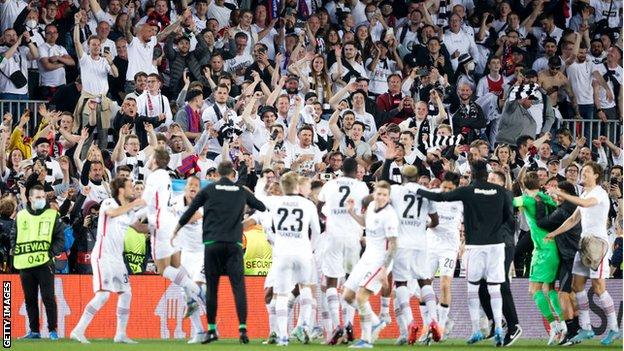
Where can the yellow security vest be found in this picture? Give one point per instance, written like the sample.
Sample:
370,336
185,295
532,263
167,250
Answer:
34,237
134,250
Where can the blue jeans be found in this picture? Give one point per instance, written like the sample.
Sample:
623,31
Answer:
586,111
16,108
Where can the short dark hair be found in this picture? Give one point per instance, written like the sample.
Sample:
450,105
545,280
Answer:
161,157
35,187
116,185
349,166
531,181
523,140
451,177
225,168
500,176
596,168
305,127
125,168
567,187
240,35
478,170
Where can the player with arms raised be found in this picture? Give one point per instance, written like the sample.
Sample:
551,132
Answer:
161,219
343,236
109,271
293,216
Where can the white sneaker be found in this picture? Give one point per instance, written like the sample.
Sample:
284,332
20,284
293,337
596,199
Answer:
554,333
386,318
198,338
74,335
563,331
448,328
123,339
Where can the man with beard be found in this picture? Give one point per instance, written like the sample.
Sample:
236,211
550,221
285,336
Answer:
261,64
347,69
467,118
140,84
580,74
597,54
128,151
137,123
117,84
240,58
184,60
15,59
92,176
42,150
550,50
189,117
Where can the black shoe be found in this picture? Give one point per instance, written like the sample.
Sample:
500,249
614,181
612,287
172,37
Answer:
349,332
512,335
210,337
242,336
567,341
491,334
336,336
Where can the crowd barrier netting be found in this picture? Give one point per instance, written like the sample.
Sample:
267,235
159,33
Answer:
158,307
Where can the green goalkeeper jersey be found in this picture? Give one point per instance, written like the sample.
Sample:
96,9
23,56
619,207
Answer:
528,205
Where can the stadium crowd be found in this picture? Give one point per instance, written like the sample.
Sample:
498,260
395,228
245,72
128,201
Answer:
303,85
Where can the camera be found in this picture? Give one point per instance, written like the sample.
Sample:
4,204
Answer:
326,176
274,134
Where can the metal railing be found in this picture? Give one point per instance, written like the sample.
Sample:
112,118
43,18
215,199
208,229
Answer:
17,107
592,128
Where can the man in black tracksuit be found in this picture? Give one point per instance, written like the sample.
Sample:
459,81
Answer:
509,308
485,211
224,206
567,245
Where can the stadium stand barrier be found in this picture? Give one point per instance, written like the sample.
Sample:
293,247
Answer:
158,307
16,107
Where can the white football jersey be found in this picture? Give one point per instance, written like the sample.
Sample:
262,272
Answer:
190,236
109,243
413,211
445,236
335,194
594,219
157,195
380,225
293,217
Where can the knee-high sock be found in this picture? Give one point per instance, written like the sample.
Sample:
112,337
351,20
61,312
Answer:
554,302
334,305
325,316
385,305
366,315
281,312
272,317
496,300
424,314
443,310
180,277
428,297
305,306
398,316
98,300
403,300
473,306
123,312
583,306
606,303
348,312
196,322
542,305
292,300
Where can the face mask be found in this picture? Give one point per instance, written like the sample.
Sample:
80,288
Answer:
38,204
31,23
470,66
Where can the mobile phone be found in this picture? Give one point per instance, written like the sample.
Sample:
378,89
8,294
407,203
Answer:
614,181
326,176
106,50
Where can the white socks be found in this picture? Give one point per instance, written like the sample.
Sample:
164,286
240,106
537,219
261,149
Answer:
180,277
607,305
334,305
385,305
474,306
281,312
272,316
96,303
403,300
428,297
443,314
583,306
496,300
123,312
348,312
305,307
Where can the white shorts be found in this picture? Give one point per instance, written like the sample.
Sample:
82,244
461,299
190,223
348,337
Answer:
340,255
410,264
366,275
291,270
193,262
110,275
602,272
161,238
444,261
269,280
485,262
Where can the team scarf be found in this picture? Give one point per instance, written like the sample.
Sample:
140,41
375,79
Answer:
193,119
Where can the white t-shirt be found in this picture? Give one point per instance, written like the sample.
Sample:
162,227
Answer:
594,219
109,243
292,217
140,57
8,66
413,211
617,74
220,13
157,195
580,75
153,105
369,121
601,8
55,77
9,10
189,237
380,225
445,236
335,194
293,151
94,74
356,66
379,75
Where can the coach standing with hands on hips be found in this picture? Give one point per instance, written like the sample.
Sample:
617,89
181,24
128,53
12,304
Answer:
224,205
38,237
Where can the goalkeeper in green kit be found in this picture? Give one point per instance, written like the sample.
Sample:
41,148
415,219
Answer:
545,260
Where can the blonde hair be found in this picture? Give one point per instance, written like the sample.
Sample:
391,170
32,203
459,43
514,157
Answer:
289,182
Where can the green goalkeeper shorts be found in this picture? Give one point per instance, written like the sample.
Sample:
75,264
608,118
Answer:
544,266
